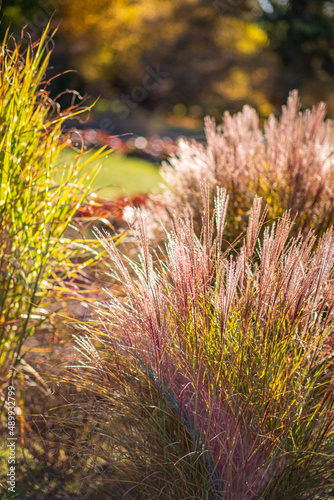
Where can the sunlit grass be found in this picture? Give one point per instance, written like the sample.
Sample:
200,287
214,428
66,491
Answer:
120,175
210,368
34,210
208,373
289,162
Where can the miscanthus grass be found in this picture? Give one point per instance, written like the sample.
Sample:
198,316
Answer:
212,374
289,162
35,210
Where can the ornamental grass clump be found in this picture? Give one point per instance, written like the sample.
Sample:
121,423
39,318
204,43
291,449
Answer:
35,210
212,377
289,163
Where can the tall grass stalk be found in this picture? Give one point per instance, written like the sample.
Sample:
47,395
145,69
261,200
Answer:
213,372
34,210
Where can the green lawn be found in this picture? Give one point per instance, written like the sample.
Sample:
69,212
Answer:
122,175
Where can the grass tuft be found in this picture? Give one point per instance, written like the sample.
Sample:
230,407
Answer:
35,253
289,163
213,372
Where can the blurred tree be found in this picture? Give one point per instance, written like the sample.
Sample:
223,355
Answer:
301,33
165,53
18,13
191,57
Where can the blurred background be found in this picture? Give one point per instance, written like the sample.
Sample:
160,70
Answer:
160,64
158,67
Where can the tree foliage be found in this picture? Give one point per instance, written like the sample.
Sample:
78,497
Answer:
212,54
301,33
205,57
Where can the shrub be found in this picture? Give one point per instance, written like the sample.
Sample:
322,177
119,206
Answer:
213,374
290,164
35,253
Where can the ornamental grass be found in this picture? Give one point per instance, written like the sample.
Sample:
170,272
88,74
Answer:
289,162
210,367
36,256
